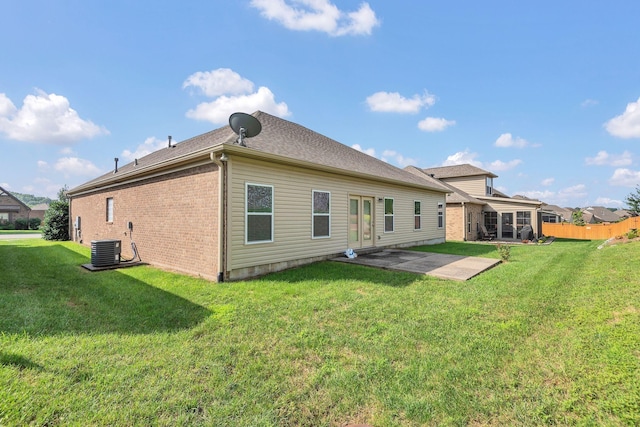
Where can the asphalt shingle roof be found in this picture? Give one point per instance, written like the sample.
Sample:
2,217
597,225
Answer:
285,139
457,171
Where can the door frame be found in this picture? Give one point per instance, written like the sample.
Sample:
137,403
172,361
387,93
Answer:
364,225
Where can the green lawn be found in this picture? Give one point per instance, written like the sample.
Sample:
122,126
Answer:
551,337
20,232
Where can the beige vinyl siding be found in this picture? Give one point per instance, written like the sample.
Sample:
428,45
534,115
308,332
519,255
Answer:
473,185
292,190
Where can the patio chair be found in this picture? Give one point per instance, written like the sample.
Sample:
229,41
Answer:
485,235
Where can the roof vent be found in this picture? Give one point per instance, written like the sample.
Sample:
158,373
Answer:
170,146
116,162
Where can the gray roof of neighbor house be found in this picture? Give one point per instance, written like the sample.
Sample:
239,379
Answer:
455,196
457,171
12,207
600,213
40,207
623,213
287,141
565,213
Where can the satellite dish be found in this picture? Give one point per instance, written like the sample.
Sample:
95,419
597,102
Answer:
245,125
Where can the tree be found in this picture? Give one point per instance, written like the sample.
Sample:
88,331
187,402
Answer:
576,218
633,201
56,218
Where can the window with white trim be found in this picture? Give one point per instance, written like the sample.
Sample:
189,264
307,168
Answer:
489,186
109,209
258,213
417,215
440,215
321,214
388,215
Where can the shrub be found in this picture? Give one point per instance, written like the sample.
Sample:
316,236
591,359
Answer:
34,223
633,233
7,226
504,251
21,224
56,221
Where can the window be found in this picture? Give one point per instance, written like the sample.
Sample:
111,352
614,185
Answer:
469,221
109,209
522,218
417,217
388,215
440,215
491,221
321,214
259,213
489,186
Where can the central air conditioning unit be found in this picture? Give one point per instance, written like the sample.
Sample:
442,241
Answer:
105,253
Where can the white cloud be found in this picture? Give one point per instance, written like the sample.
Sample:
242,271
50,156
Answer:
393,102
574,192
499,165
623,177
219,82
462,157
397,158
231,97
388,156
626,125
319,15
66,150
75,166
548,181
43,165
574,195
434,124
604,158
44,187
605,201
149,145
5,185
507,140
369,151
589,103
538,195
46,118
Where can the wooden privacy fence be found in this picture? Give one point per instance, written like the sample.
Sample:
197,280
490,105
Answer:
590,231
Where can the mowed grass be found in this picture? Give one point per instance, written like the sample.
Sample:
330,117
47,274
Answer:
551,337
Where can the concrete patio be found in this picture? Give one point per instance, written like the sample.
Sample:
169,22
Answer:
444,266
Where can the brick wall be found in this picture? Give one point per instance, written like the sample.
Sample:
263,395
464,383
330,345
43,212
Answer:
174,216
13,209
457,221
455,224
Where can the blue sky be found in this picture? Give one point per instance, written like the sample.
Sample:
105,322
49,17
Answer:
544,94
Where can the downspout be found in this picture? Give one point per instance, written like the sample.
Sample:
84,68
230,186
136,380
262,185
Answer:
222,211
464,223
72,237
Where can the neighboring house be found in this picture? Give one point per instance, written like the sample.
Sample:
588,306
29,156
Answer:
598,214
38,211
212,207
462,210
555,214
476,202
11,208
623,213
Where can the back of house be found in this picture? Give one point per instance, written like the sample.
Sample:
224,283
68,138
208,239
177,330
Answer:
212,207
